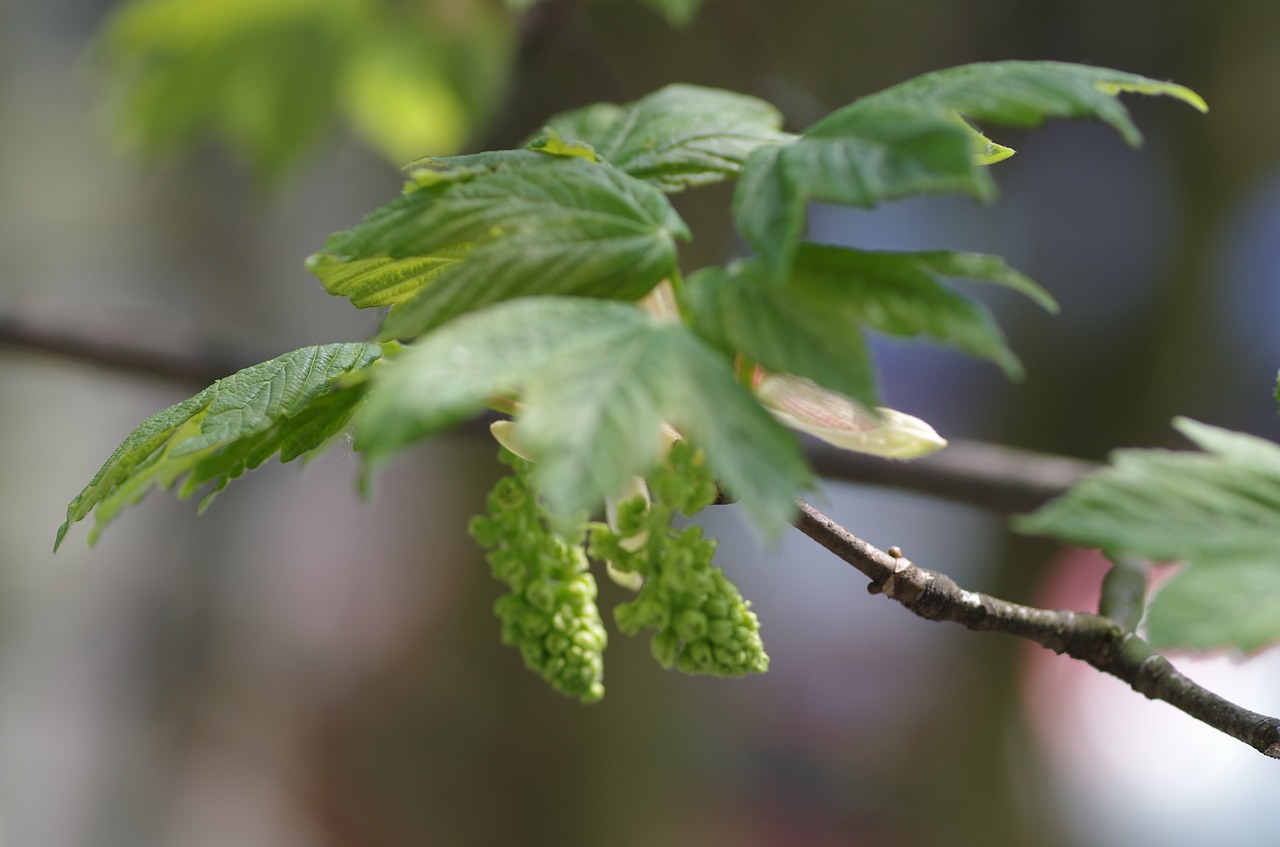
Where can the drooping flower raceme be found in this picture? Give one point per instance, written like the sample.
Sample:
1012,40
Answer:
700,622
550,614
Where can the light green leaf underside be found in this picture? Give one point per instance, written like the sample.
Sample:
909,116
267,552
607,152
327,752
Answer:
476,230
986,151
382,281
914,139
596,379
679,136
1169,506
1216,511
552,142
1212,605
290,405
809,324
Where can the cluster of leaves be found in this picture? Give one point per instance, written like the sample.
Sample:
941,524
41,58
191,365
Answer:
512,277
550,613
581,213
701,623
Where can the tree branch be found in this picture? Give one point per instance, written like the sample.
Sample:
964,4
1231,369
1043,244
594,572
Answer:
194,365
1099,641
989,476
1003,479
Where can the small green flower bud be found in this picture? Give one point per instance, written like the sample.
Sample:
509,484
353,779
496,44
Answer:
508,494
632,515
716,607
652,613
550,614
720,631
588,640
627,617
664,646
541,595
556,642
691,625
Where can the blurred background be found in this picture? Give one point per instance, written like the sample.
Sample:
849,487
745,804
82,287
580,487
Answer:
301,668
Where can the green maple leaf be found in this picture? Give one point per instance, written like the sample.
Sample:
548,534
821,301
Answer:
915,138
475,230
290,405
810,324
677,137
1217,512
595,380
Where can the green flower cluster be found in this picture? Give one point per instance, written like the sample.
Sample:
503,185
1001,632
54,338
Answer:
703,624
550,615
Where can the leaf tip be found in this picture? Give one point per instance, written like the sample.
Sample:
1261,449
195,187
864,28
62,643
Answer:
62,535
1186,95
1188,427
317,262
1152,87
1027,524
997,153
1011,365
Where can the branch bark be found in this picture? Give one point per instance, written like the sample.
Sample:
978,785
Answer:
1097,640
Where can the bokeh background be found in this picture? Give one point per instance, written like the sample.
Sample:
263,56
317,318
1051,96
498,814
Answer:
299,667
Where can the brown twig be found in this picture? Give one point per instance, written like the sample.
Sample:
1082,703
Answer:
1097,640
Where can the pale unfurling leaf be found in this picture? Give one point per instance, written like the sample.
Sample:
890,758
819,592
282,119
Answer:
844,422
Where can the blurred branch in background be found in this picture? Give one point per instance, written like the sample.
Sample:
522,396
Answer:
978,473
991,476
135,352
